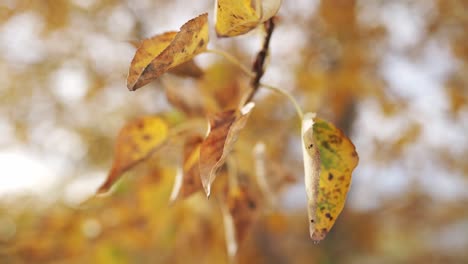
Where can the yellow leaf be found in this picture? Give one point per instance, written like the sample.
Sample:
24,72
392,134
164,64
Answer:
238,17
188,179
338,158
186,69
235,18
136,141
223,132
161,53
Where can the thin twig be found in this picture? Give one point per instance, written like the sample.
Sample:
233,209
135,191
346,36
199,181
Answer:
258,66
233,60
299,112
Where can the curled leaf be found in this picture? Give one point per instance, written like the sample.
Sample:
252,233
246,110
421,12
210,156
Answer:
161,53
186,69
188,179
311,157
338,158
136,141
223,132
235,18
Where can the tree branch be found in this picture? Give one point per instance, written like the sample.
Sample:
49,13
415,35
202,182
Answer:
259,63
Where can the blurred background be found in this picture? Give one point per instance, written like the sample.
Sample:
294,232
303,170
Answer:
392,74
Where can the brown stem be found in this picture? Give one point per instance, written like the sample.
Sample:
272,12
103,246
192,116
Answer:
258,65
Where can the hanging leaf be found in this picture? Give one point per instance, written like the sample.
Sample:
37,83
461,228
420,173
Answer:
235,18
188,179
223,132
136,141
338,158
240,210
161,53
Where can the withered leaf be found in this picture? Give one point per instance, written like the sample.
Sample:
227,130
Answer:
223,132
188,180
136,141
161,53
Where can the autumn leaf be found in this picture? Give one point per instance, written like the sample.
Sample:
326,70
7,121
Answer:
161,53
136,141
188,179
186,69
240,210
338,158
222,134
235,18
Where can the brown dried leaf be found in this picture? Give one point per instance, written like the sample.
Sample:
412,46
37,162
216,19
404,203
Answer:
161,53
188,179
136,141
223,132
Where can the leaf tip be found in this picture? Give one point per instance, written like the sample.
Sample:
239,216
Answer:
318,235
247,108
208,191
131,85
104,190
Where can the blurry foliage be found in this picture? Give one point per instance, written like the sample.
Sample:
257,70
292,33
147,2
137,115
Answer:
335,71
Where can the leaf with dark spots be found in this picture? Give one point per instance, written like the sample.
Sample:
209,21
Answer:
338,158
235,18
186,69
136,141
164,52
223,132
